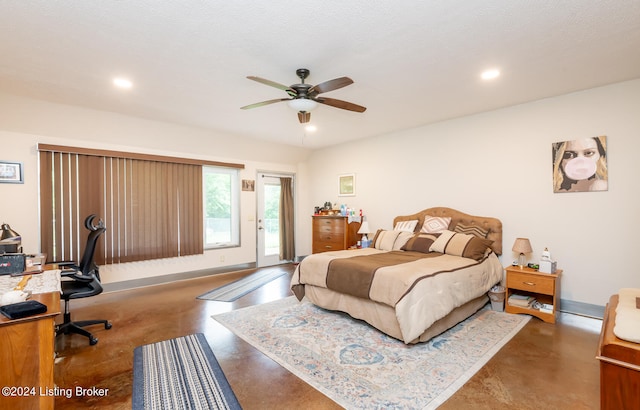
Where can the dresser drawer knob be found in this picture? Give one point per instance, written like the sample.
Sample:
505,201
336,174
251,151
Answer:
529,283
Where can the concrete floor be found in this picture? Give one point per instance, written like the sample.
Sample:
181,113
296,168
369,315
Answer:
544,366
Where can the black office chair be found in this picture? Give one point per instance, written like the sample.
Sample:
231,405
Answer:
85,282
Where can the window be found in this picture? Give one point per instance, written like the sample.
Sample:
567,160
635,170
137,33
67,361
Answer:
221,207
152,206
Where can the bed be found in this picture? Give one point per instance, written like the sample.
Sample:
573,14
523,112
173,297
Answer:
430,272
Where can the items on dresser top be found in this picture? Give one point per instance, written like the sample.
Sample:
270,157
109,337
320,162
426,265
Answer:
627,322
619,362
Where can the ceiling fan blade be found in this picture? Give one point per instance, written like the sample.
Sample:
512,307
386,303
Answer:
330,85
263,103
304,117
279,86
341,104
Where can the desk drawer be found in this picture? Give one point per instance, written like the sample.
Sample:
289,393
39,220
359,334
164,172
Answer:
531,283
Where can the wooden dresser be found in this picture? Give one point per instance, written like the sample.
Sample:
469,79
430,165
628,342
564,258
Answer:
619,366
333,233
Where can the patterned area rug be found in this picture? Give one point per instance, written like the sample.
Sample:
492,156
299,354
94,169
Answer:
361,368
239,288
180,373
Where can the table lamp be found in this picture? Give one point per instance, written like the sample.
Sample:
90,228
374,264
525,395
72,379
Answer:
10,240
522,246
364,231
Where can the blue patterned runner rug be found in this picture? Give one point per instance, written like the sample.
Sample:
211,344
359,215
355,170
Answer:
180,373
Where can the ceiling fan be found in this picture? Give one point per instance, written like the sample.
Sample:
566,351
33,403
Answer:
305,97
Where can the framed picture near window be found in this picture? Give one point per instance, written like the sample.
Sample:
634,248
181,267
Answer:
248,185
347,185
11,172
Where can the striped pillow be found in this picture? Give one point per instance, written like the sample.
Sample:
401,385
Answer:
421,242
401,240
390,240
407,226
459,244
384,239
471,230
435,224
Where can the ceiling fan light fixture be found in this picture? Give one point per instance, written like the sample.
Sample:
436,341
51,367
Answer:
302,104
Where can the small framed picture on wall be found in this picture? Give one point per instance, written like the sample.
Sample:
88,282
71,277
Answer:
11,172
347,185
248,185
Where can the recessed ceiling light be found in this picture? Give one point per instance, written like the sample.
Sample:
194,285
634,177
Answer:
121,82
311,128
490,74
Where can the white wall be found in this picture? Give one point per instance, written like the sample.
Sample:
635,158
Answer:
493,164
24,123
499,164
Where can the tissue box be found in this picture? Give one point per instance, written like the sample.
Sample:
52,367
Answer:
547,267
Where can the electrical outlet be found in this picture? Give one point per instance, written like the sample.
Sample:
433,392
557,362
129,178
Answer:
221,258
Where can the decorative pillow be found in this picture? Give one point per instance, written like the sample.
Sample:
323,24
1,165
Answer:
384,239
420,242
459,244
471,230
390,240
407,226
435,224
401,240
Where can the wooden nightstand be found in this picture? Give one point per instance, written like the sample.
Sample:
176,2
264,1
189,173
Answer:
545,287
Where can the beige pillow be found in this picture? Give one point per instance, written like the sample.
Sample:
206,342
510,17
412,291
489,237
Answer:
390,240
471,230
384,239
401,240
459,244
407,226
435,224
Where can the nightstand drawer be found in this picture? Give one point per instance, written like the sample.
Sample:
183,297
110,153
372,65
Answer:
530,283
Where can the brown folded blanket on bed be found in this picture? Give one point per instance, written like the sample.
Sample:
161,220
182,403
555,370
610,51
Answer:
353,276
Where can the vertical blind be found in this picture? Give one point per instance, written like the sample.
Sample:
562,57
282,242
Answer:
152,209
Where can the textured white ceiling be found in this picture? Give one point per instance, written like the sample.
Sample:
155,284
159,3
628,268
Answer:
412,62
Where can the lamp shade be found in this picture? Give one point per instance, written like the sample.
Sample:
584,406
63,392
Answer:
302,104
522,245
364,228
8,234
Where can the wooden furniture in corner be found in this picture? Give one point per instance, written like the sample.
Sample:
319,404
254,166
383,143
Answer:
333,233
27,354
619,365
545,287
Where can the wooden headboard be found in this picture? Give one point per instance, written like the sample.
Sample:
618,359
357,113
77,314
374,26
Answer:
493,225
